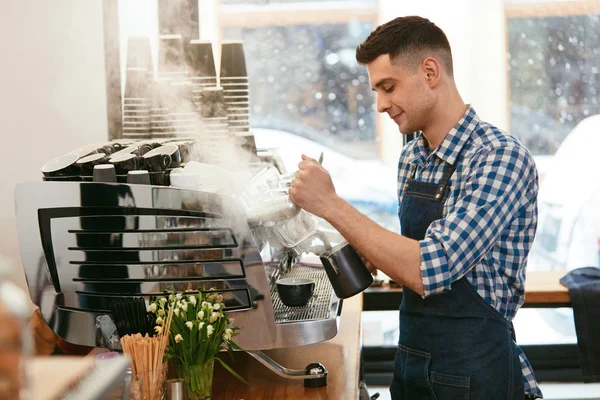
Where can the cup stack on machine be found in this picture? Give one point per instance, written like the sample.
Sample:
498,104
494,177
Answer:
185,97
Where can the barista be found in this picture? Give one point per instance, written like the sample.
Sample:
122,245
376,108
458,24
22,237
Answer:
467,207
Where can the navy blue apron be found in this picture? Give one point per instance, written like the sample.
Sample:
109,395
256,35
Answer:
452,345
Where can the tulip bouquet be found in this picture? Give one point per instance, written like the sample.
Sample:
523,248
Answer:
199,330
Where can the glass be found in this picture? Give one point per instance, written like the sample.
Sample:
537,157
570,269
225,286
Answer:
554,77
149,385
304,79
197,379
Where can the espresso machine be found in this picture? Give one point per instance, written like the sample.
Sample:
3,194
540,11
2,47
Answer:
86,243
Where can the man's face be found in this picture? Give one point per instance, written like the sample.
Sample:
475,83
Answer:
401,93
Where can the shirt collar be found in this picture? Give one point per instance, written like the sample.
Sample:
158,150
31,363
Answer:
452,144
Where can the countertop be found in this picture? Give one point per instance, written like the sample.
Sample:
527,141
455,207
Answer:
542,290
340,356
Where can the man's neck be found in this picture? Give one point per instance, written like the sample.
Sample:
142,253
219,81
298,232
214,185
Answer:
446,115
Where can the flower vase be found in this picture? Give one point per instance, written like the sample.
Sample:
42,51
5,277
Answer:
197,380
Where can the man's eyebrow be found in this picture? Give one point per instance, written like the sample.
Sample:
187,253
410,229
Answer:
381,82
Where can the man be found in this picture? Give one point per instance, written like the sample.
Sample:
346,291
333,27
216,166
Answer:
467,196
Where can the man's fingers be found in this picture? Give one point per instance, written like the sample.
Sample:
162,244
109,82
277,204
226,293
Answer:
304,164
307,158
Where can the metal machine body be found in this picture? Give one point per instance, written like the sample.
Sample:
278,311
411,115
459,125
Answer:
84,244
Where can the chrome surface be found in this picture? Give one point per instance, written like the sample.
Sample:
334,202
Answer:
286,372
84,244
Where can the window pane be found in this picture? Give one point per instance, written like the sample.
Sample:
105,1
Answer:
554,91
554,77
304,79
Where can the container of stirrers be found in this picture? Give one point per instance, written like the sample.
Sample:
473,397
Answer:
147,362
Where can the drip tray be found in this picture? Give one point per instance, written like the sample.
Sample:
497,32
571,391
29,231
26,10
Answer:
318,307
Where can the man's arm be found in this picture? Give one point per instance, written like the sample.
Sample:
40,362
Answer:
395,255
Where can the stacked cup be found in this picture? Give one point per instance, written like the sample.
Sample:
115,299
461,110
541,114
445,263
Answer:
234,79
171,61
170,115
136,101
203,73
214,130
174,114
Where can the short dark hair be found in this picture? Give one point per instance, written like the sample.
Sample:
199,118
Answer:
408,37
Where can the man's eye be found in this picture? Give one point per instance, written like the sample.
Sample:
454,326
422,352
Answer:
390,89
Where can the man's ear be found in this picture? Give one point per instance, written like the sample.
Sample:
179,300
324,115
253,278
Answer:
431,70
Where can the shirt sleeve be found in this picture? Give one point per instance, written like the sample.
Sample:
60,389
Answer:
499,184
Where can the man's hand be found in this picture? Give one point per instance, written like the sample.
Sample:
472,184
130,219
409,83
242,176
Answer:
312,188
368,264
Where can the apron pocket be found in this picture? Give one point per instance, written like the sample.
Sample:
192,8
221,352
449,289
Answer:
450,387
413,368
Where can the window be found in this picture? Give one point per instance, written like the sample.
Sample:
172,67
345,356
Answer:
554,73
554,84
304,79
554,67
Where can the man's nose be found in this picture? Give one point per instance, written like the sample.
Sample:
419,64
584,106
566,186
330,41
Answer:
383,104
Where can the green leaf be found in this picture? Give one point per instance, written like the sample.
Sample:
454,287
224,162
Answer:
235,345
232,372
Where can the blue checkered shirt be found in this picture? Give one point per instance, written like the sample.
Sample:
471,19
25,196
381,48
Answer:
489,217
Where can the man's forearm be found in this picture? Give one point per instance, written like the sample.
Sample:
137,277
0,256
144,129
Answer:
397,256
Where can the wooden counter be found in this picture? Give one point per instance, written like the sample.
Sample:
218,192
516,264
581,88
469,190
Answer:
542,290
340,356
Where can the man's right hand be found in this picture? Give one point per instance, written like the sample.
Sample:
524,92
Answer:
372,269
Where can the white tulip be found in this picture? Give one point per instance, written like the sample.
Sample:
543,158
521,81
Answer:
178,338
213,317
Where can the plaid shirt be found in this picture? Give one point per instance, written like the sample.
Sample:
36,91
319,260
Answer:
490,216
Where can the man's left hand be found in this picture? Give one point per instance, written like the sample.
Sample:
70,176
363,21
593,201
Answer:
312,188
